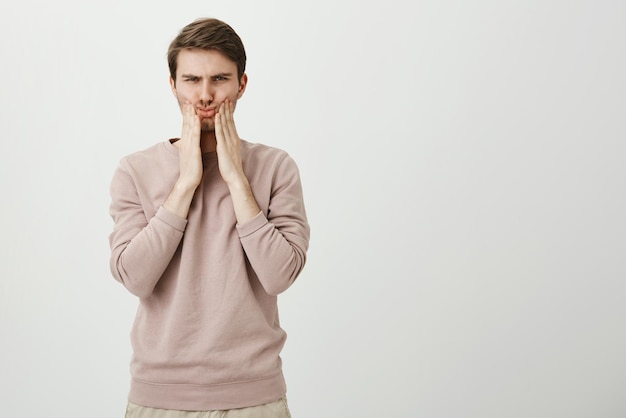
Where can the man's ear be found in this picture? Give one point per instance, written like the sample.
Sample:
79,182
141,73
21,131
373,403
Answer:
242,85
173,85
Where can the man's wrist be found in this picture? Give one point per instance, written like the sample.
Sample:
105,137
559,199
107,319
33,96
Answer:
185,186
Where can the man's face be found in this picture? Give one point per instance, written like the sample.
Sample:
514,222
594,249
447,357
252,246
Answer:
205,78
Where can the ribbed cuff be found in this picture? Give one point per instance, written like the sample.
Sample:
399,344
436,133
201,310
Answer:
252,225
171,219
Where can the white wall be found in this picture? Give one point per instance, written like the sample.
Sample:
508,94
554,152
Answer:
463,165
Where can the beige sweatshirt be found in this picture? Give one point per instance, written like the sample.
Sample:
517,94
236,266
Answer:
207,335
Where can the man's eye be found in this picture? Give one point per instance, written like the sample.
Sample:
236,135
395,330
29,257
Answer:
192,79
219,78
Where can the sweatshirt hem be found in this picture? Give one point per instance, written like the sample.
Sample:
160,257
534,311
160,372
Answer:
194,397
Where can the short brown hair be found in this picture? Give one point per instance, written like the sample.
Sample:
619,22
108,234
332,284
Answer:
208,33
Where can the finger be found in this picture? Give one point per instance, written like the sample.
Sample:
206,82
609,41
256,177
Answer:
191,124
219,128
229,123
229,111
188,113
187,109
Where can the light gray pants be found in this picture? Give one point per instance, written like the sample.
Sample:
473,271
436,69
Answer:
276,409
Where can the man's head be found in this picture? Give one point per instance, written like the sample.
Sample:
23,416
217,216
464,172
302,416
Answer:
208,33
207,64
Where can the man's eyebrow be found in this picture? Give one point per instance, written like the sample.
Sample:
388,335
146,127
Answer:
213,76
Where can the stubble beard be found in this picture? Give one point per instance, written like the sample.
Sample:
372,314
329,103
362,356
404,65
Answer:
207,125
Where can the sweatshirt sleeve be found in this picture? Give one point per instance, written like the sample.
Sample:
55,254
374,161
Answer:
141,248
276,244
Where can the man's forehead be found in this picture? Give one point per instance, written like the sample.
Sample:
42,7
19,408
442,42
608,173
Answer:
204,56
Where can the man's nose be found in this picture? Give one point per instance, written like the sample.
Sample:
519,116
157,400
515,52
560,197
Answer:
206,93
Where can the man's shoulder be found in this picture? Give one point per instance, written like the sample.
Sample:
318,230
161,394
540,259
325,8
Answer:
262,151
150,154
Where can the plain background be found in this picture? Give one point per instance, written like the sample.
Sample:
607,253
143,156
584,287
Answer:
463,166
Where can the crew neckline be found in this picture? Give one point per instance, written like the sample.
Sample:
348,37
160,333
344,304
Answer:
169,145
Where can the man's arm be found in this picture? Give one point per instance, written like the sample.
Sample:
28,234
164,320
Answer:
275,246
142,249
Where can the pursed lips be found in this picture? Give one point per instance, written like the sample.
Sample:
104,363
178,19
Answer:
205,112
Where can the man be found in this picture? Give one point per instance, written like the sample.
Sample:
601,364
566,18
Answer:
208,230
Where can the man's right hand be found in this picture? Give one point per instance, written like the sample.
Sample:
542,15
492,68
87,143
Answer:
190,164
189,151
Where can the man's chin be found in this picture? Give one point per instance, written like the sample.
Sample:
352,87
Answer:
207,127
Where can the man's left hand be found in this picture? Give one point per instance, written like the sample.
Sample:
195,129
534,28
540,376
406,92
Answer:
228,144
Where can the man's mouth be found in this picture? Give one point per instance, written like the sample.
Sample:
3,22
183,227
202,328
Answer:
208,112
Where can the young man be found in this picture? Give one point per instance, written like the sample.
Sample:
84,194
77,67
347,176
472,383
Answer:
208,230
